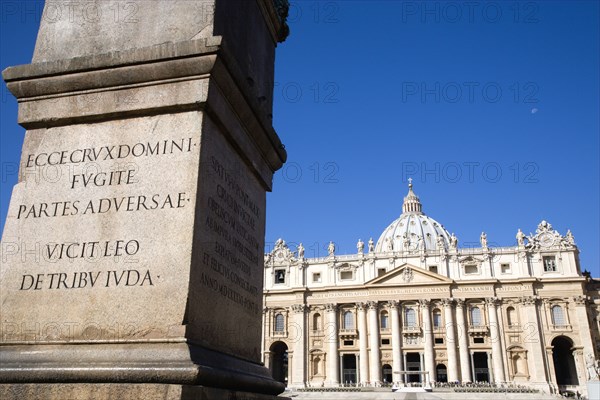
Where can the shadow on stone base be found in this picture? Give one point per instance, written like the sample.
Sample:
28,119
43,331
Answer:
130,371
111,391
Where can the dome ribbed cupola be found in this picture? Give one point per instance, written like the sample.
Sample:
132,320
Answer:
413,230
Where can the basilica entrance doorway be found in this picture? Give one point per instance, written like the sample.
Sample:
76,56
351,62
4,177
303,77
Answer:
441,374
387,373
413,363
349,368
564,363
279,361
480,366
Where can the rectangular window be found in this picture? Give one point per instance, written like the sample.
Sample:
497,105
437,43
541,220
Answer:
348,320
380,271
280,276
471,269
385,341
384,320
505,268
478,340
439,340
433,268
279,323
317,277
558,316
410,317
549,264
346,275
348,342
437,319
476,319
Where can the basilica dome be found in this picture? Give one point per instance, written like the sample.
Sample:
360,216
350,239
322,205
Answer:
413,230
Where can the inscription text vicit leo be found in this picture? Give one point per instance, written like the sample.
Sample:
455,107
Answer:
115,185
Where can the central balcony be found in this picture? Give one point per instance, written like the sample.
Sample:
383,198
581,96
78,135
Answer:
478,330
411,330
348,333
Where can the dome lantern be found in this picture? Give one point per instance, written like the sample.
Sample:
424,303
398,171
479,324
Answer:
411,204
413,230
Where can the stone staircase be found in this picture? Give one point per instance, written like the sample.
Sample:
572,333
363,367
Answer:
387,394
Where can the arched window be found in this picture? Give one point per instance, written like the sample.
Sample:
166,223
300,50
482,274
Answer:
410,317
437,318
558,316
476,316
348,320
384,320
317,322
511,316
279,322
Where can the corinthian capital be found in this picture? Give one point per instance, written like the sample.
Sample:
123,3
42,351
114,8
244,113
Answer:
424,303
530,300
330,307
372,305
448,302
299,308
492,301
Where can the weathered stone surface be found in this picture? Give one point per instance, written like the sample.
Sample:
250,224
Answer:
124,392
132,250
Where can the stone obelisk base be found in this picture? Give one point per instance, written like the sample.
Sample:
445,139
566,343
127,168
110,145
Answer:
110,391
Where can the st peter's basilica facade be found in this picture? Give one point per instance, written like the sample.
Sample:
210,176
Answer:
415,308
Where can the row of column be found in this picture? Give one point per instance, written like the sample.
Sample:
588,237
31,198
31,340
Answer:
459,357
370,362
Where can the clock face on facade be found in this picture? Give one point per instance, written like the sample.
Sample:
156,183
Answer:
546,239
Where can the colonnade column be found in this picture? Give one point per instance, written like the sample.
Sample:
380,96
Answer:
299,361
496,338
585,333
490,361
450,341
332,353
265,334
362,343
551,370
463,340
428,335
536,359
396,344
375,360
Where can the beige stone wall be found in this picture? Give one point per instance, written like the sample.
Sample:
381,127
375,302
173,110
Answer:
517,339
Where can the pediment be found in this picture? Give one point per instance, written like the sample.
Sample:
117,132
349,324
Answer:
407,274
470,260
346,267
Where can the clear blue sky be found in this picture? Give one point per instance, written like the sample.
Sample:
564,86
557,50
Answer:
491,107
